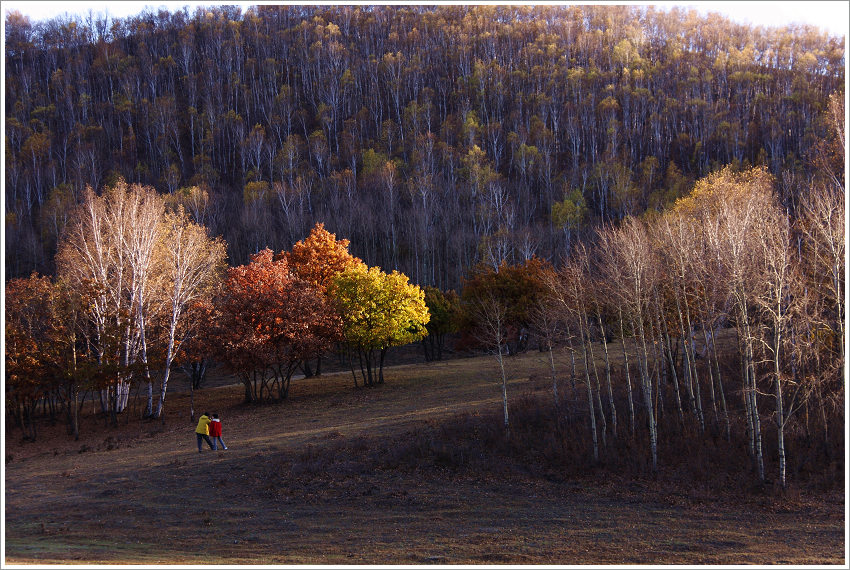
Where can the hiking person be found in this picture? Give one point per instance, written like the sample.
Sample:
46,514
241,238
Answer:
215,432
203,430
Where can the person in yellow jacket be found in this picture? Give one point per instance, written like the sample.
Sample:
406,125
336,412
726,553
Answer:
203,431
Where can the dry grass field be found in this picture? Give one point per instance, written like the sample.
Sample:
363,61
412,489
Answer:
386,475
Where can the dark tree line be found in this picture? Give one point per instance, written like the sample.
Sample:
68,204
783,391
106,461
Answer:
434,138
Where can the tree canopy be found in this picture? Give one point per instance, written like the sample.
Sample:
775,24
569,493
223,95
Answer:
379,310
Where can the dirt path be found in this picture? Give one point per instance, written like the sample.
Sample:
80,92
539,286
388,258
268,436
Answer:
153,498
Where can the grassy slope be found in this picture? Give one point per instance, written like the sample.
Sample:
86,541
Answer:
316,480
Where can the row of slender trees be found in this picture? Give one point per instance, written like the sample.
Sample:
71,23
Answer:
141,288
726,257
432,137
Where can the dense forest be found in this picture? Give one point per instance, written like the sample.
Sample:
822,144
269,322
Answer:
434,138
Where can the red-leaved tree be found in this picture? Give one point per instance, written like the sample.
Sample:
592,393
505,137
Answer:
264,321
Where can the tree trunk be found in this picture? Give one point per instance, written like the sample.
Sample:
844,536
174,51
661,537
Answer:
691,346
745,371
169,357
720,388
608,375
646,384
504,389
192,402
591,408
573,373
752,395
780,410
628,377
710,371
144,357
351,367
688,365
667,349
308,371
588,349
75,417
554,377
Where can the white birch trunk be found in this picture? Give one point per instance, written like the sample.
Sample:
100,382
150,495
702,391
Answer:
608,375
628,376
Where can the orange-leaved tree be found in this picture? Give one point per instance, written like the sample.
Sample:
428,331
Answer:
45,358
264,321
318,259
26,323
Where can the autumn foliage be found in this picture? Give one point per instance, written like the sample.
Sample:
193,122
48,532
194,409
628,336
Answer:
518,288
28,345
264,321
378,310
446,318
319,258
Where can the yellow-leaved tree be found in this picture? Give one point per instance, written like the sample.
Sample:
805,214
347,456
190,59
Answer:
378,310
318,259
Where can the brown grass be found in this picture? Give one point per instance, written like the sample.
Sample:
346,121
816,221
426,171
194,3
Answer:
417,471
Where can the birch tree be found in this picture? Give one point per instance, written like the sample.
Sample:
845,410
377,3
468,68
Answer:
631,250
739,201
610,284
489,313
676,239
192,263
140,221
822,224
92,260
566,292
500,303
773,298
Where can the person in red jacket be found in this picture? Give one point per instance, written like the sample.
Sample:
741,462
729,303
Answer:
215,432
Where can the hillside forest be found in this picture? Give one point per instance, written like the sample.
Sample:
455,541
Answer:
432,138
263,190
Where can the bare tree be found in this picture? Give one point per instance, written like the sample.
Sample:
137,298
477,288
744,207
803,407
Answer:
715,293
141,223
818,331
773,298
566,291
609,286
631,250
92,259
676,239
822,225
599,296
547,327
489,313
